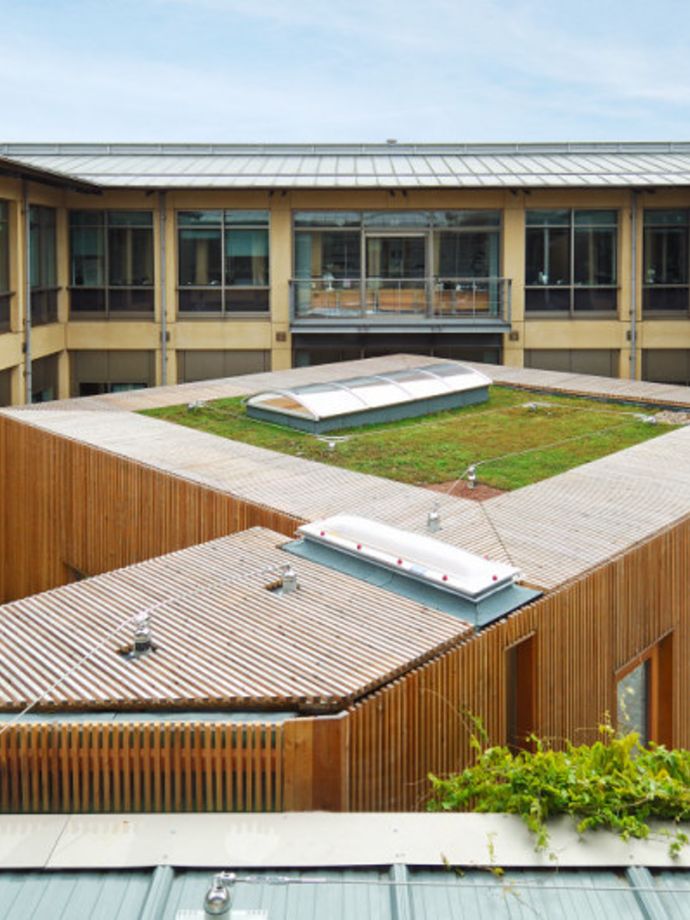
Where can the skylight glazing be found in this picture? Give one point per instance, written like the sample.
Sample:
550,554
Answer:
359,394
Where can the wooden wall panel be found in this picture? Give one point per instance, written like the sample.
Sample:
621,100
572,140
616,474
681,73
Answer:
583,634
69,504
145,767
64,502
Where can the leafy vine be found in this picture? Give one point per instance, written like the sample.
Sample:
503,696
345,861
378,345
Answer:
616,784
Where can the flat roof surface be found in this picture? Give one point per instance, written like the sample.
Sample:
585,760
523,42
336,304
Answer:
553,531
223,639
453,165
317,839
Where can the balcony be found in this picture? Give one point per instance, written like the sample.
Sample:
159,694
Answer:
400,304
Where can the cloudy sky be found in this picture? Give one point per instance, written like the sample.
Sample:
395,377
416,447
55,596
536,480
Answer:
356,70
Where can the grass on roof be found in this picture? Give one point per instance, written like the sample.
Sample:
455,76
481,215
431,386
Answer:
513,445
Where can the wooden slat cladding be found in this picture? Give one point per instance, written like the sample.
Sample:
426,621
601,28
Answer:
68,506
145,767
222,639
377,755
582,635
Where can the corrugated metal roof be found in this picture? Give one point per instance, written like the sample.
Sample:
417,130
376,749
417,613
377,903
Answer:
317,865
363,165
391,892
69,895
223,638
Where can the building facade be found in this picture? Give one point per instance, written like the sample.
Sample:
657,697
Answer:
130,266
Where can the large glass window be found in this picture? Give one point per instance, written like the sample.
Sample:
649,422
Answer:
665,276
5,293
43,253
111,263
223,262
401,261
571,262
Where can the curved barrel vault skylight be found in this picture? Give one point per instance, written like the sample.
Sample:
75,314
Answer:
322,401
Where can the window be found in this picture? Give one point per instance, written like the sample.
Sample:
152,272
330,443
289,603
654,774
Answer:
632,701
111,263
400,261
665,276
5,293
96,372
666,365
43,254
600,362
223,262
44,379
213,365
571,262
644,694
5,387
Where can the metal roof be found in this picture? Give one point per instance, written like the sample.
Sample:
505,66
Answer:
549,165
224,637
366,866
46,176
389,892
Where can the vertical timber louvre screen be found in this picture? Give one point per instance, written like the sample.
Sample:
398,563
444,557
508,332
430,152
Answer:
68,506
579,636
143,767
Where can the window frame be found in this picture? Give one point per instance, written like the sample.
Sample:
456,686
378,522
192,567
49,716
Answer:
659,660
572,287
45,291
109,312
668,313
431,224
226,228
7,294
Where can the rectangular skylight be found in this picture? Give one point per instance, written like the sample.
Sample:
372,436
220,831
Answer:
418,556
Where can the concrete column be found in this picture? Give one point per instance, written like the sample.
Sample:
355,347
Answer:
280,254
513,262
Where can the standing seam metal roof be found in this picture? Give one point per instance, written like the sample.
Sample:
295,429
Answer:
363,165
363,866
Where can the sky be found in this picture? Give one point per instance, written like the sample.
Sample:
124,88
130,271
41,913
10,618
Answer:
237,71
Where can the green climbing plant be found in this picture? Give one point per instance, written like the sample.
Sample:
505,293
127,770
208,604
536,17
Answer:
616,784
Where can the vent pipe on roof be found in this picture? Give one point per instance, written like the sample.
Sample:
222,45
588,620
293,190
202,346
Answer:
218,898
142,635
472,476
289,580
433,519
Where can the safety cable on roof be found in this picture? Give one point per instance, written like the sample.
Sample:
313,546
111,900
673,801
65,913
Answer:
129,621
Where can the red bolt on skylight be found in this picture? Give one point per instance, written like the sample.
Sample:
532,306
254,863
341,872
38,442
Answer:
322,533
445,578
359,546
400,562
494,578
